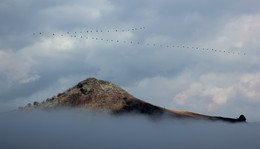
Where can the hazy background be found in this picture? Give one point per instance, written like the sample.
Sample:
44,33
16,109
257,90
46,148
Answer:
34,67
84,130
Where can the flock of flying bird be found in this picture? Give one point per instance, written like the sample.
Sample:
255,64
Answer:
87,34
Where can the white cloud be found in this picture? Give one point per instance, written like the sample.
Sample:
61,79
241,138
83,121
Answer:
249,87
241,32
16,68
208,96
183,97
49,48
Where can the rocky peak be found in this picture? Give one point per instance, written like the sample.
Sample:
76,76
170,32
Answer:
103,87
106,96
90,93
92,82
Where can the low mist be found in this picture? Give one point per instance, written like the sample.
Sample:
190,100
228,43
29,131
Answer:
82,130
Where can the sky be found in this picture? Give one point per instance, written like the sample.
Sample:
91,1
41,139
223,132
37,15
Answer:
36,66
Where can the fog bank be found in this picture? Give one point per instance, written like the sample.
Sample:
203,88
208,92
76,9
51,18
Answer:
66,130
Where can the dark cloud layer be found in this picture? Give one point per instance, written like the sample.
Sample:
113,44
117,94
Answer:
81,130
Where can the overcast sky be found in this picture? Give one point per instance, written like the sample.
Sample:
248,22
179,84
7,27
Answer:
36,66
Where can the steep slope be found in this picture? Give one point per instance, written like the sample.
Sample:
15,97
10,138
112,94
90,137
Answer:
105,96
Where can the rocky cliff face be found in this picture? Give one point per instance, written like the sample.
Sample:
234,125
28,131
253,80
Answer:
107,97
